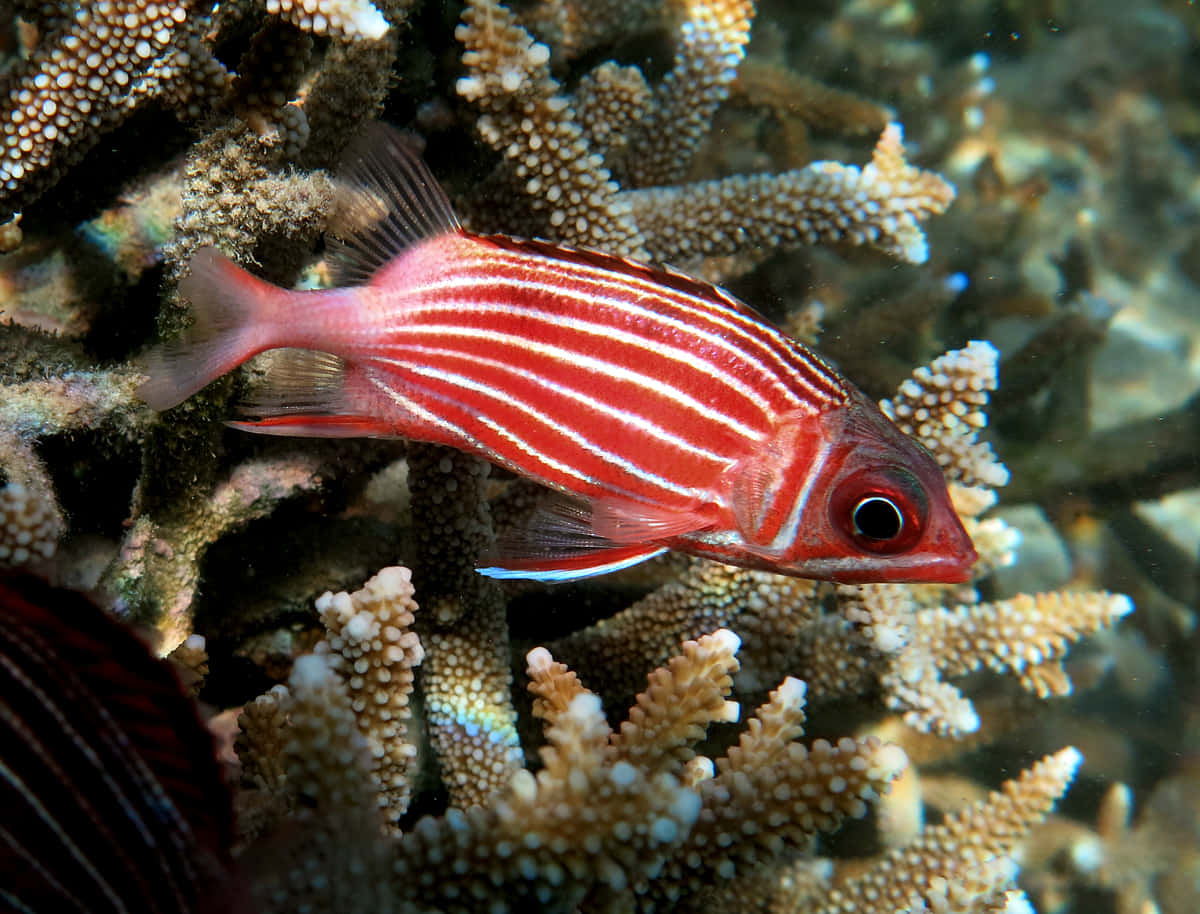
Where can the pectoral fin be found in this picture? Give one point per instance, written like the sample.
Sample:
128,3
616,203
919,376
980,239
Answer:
567,540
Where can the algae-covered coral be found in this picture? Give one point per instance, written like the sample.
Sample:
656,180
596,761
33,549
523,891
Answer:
641,741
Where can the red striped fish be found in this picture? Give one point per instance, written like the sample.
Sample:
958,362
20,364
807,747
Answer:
111,798
673,414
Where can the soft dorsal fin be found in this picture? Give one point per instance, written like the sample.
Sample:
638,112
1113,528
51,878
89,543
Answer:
385,200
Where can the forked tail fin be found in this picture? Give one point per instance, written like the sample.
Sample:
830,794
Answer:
234,313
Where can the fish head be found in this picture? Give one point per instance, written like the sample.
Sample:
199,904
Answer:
861,502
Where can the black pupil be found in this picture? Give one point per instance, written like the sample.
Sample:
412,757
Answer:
877,519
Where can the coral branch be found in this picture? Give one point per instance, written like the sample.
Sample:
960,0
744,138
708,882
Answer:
966,862
371,647
879,205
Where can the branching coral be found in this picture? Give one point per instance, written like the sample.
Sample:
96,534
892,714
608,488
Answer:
623,820
965,863
354,691
371,646
673,805
1027,636
160,560
36,407
571,192
467,676
101,60
29,524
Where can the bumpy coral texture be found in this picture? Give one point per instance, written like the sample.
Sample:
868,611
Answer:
29,525
631,819
370,644
965,863
103,58
621,195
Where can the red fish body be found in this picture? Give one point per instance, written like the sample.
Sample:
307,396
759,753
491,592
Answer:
111,798
674,414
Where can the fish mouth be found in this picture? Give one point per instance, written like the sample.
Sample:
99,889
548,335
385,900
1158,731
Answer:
922,569
949,559
947,570
919,567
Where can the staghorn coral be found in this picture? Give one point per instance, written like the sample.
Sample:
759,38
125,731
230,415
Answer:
803,103
160,559
941,405
466,677
365,670
965,863
623,820
711,43
572,196
571,192
234,196
621,648
77,80
1027,636
574,27
29,525
1076,145
101,60
370,646
879,205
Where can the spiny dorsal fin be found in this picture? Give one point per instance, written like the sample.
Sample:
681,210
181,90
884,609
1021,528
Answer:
386,200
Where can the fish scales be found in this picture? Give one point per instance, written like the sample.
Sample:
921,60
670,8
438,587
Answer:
670,413
652,358
692,309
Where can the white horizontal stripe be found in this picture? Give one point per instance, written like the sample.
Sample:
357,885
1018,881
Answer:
420,414
528,341
725,311
518,445
576,359
625,416
522,285
565,431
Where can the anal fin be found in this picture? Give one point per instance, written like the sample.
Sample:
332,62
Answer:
307,393
300,425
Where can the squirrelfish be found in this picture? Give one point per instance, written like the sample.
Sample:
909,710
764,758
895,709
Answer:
671,414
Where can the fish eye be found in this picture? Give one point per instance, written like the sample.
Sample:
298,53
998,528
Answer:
882,510
878,518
